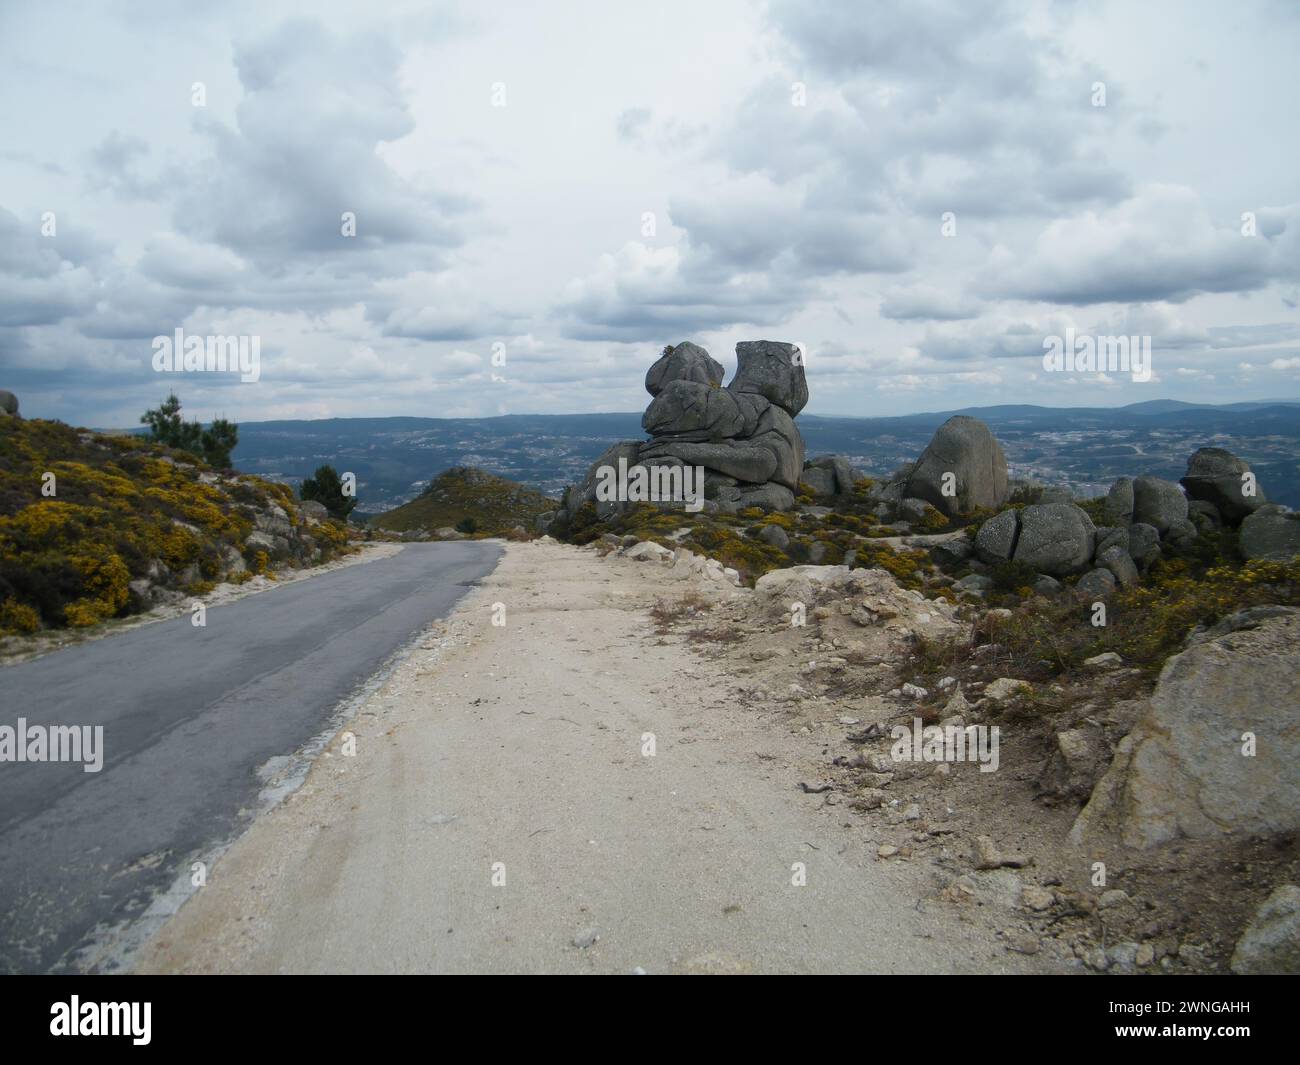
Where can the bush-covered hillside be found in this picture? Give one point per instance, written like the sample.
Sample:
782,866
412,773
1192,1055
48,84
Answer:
470,500
94,526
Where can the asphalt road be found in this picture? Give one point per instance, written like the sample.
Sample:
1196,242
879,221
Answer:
189,715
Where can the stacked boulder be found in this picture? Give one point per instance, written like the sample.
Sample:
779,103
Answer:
830,475
743,435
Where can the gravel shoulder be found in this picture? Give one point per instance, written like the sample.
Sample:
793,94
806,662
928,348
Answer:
500,814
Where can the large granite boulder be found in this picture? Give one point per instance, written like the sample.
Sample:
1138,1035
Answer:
1158,503
964,448
8,404
1055,538
1217,476
1188,769
1273,531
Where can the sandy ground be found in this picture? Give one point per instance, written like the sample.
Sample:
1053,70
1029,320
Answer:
501,814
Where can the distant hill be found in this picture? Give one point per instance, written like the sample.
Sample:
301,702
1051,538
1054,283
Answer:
1082,448
463,494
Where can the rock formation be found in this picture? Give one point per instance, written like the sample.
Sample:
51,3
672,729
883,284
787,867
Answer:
743,435
8,404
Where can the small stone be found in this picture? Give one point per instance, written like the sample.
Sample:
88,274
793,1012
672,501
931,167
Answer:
987,856
1037,898
1123,956
586,938
1023,943
1146,954
1109,660
886,850
1113,897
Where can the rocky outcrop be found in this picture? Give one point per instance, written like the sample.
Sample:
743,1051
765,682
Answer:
1215,751
961,469
1220,478
743,436
8,404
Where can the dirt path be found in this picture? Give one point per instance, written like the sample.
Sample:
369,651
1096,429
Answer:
516,752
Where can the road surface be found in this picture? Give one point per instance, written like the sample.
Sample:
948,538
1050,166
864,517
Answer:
190,714
557,789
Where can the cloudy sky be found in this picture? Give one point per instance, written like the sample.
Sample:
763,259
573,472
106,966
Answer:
582,183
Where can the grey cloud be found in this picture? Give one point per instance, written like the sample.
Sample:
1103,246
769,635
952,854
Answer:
1159,245
632,122
923,302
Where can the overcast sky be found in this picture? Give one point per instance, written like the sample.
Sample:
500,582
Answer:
795,159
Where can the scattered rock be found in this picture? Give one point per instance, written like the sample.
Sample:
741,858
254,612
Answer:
648,551
1006,689
987,856
1270,942
1096,584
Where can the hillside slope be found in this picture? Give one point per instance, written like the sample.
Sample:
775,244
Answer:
464,494
96,526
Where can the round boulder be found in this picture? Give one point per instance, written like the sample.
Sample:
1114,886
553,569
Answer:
685,362
1219,477
964,448
1055,538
